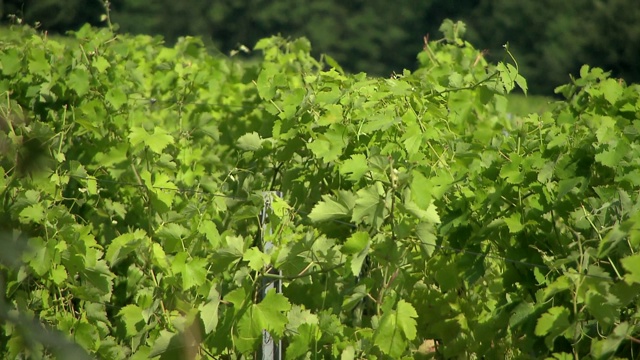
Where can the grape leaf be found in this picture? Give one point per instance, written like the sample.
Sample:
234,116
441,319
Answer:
79,81
250,141
425,232
32,213
159,140
356,243
395,328
368,206
168,346
194,273
133,319
632,265
611,90
268,315
328,209
355,167
514,224
605,348
209,315
553,323
100,63
11,61
116,97
256,258
123,245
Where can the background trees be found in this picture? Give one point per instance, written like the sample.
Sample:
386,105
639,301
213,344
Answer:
549,38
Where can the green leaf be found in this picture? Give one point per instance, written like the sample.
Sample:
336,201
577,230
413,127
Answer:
333,63
613,237
358,260
406,314
604,307
330,145
11,61
511,171
268,315
561,284
79,81
137,136
554,322
38,63
116,97
425,232
41,257
266,88
59,275
256,258
522,83
413,141
356,243
163,188
306,336
133,319
632,265
96,312
271,312
328,209
210,231
159,140
429,215
280,207
349,353
606,131
169,346
565,186
250,141
562,356
420,190
368,206
395,328
209,311
521,313
85,335
100,63
98,279
355,167
332,115
448,276
611,90
237,297
194,273
514,224
123,245
159,258
607,347
298,316
32,213
455,80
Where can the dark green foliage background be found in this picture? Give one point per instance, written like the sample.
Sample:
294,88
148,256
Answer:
133,176
551,39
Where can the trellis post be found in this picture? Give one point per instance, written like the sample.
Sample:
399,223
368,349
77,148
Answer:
271,349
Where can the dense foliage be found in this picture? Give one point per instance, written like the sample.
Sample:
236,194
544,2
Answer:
418,217
549,38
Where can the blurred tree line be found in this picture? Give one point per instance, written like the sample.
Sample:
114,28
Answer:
549,38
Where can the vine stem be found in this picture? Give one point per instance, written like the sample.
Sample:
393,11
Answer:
311,273
164,309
